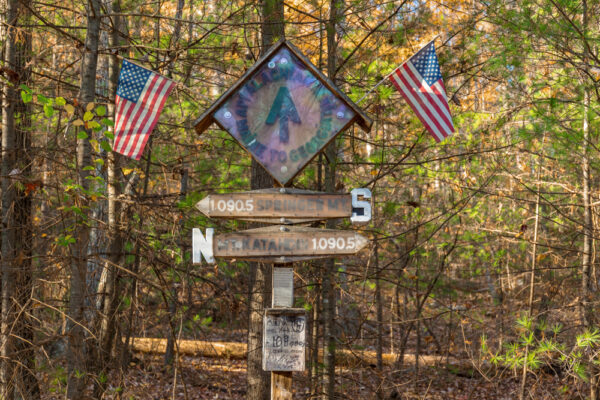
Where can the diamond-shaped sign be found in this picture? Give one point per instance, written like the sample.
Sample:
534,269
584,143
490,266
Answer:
283,112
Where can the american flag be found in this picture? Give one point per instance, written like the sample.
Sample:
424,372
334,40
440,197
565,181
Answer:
141,96
419,80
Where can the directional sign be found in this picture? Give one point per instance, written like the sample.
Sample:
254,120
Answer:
287,205
278,244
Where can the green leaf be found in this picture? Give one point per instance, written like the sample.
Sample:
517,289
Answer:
385,92
88,116
101,111
48,110
60,101
580,371
25,88
106,146
107,122
43,99
82,135
588,338
89,168
109,135
65,240
94,125
27,97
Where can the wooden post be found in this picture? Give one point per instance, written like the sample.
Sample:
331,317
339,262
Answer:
281,385
281,381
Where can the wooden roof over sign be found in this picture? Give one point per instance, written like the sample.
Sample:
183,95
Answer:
283,111
207,118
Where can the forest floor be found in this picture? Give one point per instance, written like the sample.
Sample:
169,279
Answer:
223,378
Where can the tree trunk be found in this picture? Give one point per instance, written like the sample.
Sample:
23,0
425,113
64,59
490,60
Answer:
17,372
76,351
27,386
314,357
272,28
379,304
170,350
533,268
587,308
114,245
587,207
9,164
329,265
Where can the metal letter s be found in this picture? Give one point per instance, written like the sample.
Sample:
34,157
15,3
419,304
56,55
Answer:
358,205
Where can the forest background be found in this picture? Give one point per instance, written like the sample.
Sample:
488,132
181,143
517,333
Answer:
482,277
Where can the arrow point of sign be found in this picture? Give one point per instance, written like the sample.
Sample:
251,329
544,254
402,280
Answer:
204,206
284,109
361,241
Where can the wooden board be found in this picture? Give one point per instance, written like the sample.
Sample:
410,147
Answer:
286,206
207,117
281,385
284,339
287,241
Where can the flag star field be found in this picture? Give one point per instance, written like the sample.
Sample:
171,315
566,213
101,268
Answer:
132,81
426,63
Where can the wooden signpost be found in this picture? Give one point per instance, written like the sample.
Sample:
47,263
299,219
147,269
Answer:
273,204
276,244
283,111
288,206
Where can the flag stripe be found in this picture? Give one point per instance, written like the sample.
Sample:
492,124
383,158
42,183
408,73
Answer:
431,98
149,120
408,96
415,105
138,109
151,93
440,91
419,80
430,119
147,123
122,105
419,87
151,126
125,117
141,96
128,111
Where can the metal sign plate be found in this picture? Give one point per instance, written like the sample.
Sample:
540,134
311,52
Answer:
284,339
283,287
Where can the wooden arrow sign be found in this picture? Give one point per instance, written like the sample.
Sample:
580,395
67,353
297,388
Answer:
277,244
284,205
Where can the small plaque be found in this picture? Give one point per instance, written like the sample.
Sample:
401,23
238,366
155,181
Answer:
283,287
284,339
